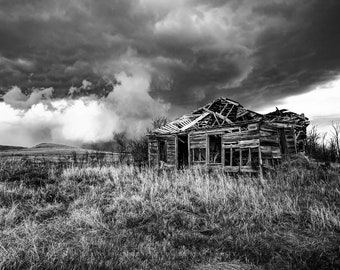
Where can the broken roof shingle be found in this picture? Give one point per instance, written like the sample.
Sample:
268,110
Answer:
224,112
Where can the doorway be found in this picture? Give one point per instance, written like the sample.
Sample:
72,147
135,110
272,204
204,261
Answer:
183,153
283,142
162,151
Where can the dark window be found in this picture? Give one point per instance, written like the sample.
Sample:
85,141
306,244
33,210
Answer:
227,158
182,151
283,142
198,154
215,148
246,157
255,157
236,157
163,151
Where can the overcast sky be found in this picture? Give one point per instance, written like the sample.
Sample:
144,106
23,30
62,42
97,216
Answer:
73,71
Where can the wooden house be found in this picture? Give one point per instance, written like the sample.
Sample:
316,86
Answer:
225,134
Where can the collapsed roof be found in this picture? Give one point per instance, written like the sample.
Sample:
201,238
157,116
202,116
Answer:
287,117
224,112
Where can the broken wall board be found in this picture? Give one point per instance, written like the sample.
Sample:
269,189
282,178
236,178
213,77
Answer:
233,169
153,151
198,140
249,143
252,143
290,141
241,136
171,150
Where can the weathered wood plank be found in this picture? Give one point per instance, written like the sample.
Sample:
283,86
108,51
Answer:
231,168
218,115
171,150
249,143
194,122
198,141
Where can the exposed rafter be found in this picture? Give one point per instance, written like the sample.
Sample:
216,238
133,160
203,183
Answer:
216,114
220,112
194,122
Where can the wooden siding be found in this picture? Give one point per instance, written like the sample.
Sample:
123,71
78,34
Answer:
171,150
294,135
230,138
290,140
277,141
270,142
198,140
247,134
153,151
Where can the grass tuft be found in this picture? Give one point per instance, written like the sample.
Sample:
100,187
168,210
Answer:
138,218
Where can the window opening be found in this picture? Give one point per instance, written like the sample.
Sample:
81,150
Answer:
198,154
215,148
162,151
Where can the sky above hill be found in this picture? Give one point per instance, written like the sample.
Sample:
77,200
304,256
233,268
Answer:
73,71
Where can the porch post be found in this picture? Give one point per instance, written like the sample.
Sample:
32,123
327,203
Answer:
189,153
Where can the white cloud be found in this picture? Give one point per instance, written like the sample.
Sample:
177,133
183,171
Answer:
19,100
321,105
86,85
73,90
28,120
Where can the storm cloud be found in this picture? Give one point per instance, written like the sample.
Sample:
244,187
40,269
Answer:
255,51
31,119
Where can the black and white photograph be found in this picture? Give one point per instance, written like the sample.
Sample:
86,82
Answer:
170,134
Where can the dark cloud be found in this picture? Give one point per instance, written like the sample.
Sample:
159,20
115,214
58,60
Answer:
252,51
303,54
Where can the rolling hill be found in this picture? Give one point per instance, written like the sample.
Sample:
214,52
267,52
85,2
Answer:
10,147
54,152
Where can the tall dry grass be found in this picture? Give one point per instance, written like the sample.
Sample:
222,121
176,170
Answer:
129,218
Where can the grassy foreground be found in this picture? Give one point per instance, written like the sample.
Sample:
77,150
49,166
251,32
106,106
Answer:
125,218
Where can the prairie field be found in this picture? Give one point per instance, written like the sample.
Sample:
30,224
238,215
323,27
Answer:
124,217
57,153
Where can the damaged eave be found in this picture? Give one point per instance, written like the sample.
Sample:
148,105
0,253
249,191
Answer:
224,112
284,116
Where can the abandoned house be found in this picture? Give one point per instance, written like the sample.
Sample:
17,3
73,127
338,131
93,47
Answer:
223,133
